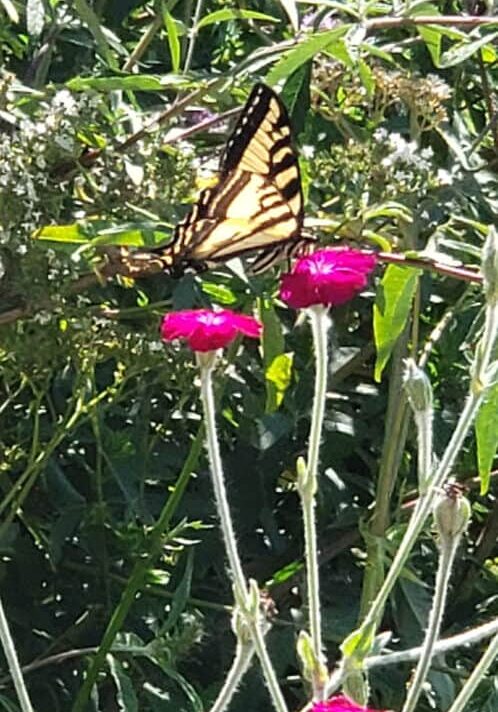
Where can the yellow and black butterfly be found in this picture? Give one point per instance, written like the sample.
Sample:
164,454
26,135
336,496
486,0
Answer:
256,205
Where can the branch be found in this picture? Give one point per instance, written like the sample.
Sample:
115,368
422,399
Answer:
385,23
462,273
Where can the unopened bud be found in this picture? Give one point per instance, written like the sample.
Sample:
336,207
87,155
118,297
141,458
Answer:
489,266
417,386
314,670
452,511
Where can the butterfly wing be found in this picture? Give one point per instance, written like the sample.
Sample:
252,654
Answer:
257,201
257,204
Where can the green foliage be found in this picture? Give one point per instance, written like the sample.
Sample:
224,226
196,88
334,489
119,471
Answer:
103,142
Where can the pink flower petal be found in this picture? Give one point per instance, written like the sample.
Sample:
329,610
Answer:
328,277
340,703
206,329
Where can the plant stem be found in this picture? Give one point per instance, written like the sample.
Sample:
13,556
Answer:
240,584
469,637
239,667
319,325
13,662
392,448
448,550
459,705
193,36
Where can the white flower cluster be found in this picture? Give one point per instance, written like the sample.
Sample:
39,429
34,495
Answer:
407,152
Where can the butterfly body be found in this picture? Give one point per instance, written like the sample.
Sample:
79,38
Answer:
256,205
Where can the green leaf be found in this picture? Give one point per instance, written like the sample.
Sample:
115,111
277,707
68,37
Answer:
35,17
296,95
91,20
431,35
181,595
367,77
279,374
462,51
273,345
62,233
229,14
486,429
173,39
130,82
292,13
358,643
219,292
10,10
391,310
306,50
125,695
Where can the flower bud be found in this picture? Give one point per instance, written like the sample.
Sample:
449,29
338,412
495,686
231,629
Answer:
452,511
489,266
313,668
417,386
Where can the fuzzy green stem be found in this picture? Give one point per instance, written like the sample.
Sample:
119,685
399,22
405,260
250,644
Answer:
13,662
319,325
423,422
460,704
449,546
422,511
415,526
445,645
240,584
239,667
218,484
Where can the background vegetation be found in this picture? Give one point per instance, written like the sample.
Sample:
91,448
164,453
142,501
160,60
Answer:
396,122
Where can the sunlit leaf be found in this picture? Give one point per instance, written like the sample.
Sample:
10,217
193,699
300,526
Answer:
132,82
486,428
431,35
173,39
462,51
10,10
290,8
332,41
392,310
279,374
231,14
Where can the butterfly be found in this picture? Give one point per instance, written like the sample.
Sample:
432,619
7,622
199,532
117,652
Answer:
256,205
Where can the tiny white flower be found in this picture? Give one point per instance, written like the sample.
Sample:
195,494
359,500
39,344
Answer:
64,100
308,151
444,177
380,135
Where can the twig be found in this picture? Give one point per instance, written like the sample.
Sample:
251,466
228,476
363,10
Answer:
462,273
385,23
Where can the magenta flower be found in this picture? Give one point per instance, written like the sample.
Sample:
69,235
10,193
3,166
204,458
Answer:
340,703
208,330
328,277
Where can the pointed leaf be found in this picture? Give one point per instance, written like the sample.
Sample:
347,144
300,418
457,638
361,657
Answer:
291,10
229,14
306,50
462,51
391,310
173,40
125,695
486,428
